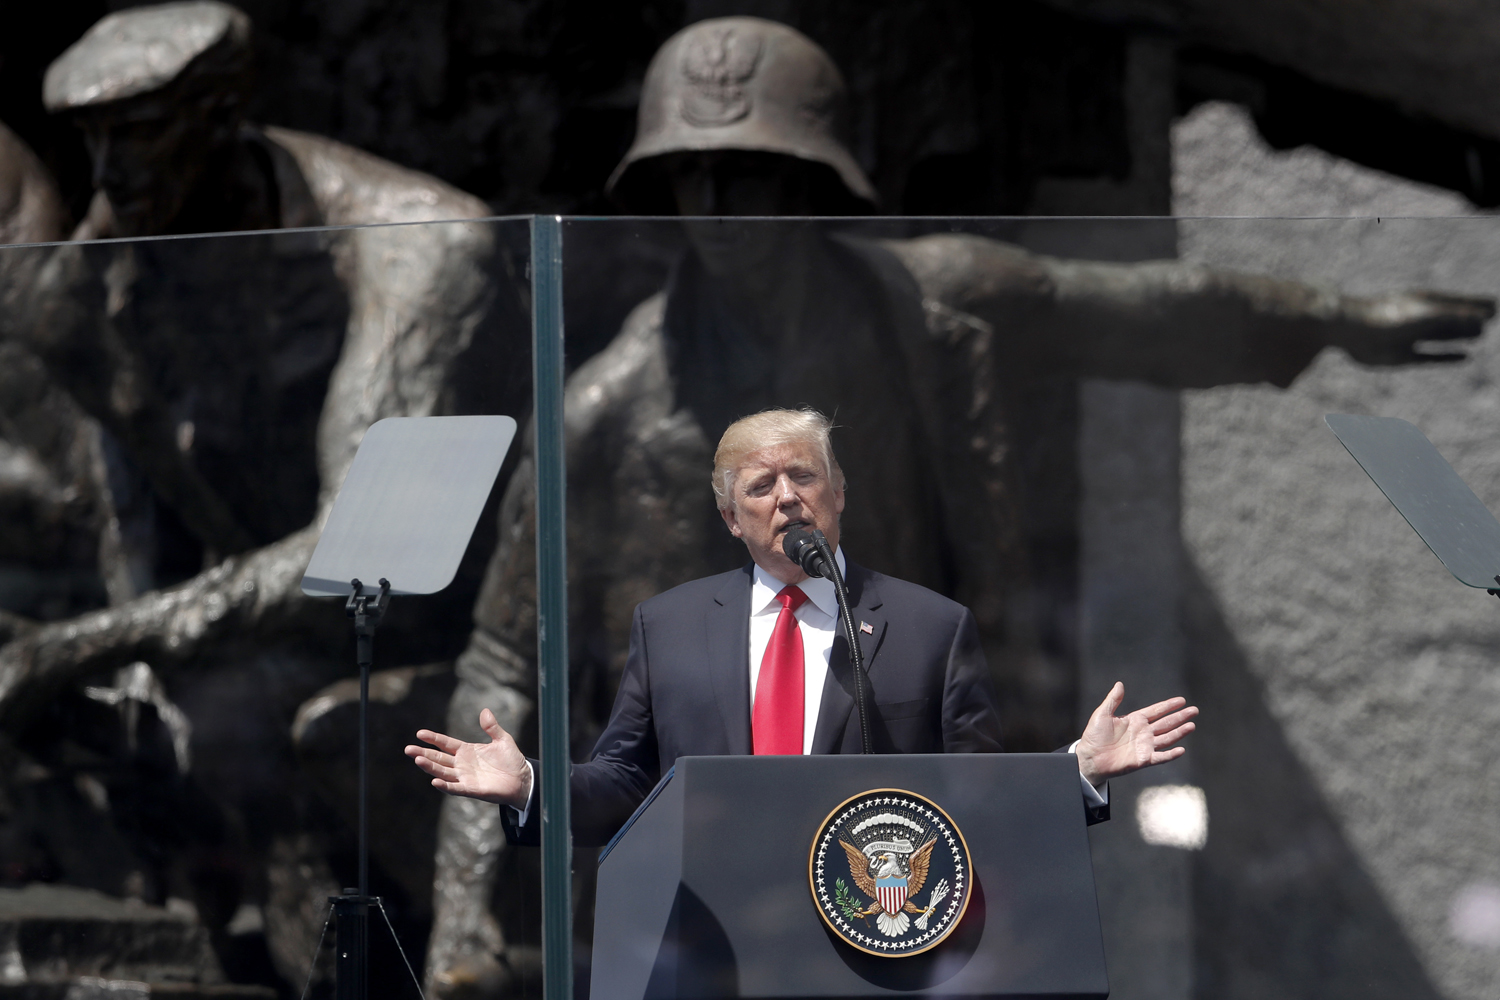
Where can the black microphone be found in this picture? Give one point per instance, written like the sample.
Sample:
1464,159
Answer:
801,548
811,551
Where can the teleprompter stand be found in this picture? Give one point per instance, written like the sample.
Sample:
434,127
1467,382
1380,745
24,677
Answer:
352,910
404,516
1436,502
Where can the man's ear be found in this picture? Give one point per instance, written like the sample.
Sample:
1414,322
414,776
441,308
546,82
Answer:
730,522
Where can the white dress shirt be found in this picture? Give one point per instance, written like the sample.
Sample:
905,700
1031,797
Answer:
817,620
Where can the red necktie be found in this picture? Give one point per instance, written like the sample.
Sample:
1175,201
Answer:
776,722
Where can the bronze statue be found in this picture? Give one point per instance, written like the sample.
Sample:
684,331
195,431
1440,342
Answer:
922,344
52,510
31,209
233,379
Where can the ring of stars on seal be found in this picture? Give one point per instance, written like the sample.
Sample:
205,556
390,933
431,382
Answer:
890,872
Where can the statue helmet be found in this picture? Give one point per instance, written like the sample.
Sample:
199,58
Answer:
740,83
142,50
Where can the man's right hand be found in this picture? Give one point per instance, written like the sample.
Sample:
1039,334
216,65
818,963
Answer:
1385,329
492,772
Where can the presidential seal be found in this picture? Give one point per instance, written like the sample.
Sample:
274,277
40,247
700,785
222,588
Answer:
890,872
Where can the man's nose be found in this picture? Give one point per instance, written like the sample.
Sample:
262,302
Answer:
109,172
100,150
786,492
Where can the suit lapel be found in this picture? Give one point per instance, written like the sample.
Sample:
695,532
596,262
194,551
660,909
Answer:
836,711
728,643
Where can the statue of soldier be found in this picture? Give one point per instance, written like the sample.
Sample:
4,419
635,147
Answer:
920,345
234,379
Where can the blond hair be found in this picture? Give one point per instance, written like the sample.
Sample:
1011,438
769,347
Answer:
767,429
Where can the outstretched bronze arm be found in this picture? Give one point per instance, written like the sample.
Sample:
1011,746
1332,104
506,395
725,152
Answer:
245,599
1172,323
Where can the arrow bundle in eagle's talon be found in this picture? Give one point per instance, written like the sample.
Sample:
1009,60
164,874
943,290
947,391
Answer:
938,895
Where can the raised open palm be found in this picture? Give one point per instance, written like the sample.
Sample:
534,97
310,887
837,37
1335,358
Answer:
1114,745
493,772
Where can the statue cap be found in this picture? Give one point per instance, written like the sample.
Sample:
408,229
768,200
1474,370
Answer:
740,83
143,49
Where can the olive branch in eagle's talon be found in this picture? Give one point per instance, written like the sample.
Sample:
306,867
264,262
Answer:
844,900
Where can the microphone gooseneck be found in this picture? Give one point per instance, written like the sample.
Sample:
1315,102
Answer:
811,551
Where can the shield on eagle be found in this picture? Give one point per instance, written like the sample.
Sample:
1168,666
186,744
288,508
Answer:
892,893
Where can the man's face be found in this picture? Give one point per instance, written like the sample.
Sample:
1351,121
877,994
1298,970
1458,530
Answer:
778,488
737,183
147,155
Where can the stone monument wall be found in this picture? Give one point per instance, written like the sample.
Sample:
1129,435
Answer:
1348,680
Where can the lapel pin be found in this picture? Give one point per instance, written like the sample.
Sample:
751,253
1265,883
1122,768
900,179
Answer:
867,628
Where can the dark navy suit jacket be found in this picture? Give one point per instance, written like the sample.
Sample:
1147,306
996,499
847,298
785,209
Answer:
686,690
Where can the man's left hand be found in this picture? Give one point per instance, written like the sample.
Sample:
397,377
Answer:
1114,745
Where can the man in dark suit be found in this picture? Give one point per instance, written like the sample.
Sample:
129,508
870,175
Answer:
750,661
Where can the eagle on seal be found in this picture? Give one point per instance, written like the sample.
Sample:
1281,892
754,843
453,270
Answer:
890,865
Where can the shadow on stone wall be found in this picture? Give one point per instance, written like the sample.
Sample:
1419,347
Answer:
1283,907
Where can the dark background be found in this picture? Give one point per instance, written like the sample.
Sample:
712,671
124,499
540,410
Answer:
961,106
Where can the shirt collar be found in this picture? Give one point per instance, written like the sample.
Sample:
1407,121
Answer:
818,590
